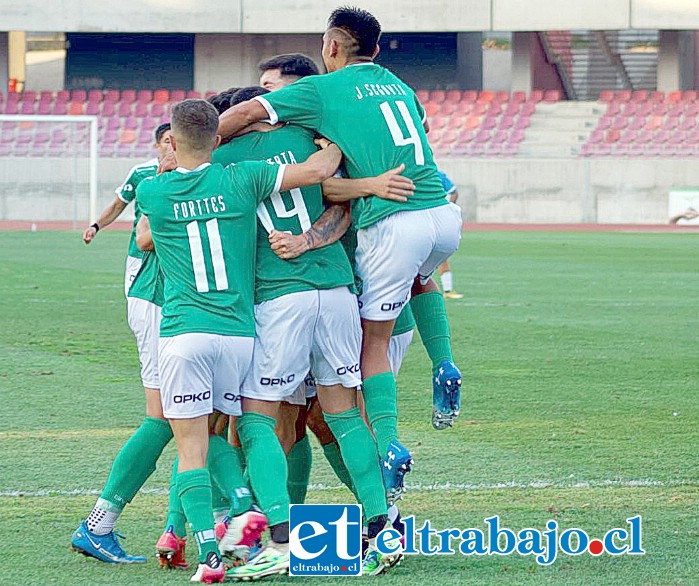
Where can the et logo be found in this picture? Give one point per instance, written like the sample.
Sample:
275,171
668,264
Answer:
325,540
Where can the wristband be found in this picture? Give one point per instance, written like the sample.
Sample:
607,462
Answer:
95,226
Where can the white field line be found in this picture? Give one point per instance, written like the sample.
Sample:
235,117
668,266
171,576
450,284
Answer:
419,487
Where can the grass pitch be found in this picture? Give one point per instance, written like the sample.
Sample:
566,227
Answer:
580,360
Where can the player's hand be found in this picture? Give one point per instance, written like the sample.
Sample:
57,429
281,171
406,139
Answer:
392,185
89,235
323,142
287,246
168,163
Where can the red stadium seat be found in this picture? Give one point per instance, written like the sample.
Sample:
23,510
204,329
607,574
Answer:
485,97
437,96
551,96
75,108
94,96
612,136
502,97
145,96
128,136
623,95
124,109
128,96
177,95
639,96
469,96
422,95
161,96
657,96
78,96
453,96
193,95
111,96
674,97
108,108
536,96
432,109
157,110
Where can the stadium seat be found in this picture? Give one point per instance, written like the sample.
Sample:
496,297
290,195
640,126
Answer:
108,108
63,96
27,107
422,95
161,97
113,123
453,96
157,110
469,96
44,108
94,96
128,96
148,124
127,136
111,96
145,96
131,123
657,96
639,96
552,96
92,108
193,95
140,109
177,96
124,109
485,97
623,95
75,108
78,96
60,108
674,97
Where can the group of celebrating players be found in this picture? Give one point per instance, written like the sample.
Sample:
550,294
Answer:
273,285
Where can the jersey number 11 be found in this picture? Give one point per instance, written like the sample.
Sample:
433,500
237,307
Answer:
216,252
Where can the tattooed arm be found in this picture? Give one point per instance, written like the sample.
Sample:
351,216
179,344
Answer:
327,229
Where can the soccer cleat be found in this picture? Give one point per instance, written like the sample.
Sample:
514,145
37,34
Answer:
210,572
273,559
375,562
170,550
242,533
220,528
397,463
453,295
446,395
105,548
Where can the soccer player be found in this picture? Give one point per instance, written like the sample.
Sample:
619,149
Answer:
445,269
202,221
310,301
282,70
125,194
377,122
135,462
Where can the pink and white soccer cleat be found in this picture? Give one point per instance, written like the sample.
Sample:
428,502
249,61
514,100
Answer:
243,532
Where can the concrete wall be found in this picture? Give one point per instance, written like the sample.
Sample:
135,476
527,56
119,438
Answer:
606,191
273,16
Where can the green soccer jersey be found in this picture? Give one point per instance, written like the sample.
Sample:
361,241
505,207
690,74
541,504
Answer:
126,192
149,284
376,120
203,227
290,211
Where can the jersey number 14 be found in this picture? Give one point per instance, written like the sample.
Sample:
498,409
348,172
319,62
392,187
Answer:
216,254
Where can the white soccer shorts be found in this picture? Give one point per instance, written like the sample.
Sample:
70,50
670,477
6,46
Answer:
144,320
305,391
397,348
318,331
203,372
133,265
398,248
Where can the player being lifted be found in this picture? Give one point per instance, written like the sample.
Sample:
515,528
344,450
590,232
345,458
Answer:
378,123
136,460
202,221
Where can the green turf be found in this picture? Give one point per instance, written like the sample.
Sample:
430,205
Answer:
579,353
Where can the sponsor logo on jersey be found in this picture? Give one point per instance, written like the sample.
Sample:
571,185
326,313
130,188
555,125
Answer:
232,397
354,369
392,306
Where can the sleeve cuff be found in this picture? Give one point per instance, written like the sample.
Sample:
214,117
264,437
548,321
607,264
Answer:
273,118
122,198
280,178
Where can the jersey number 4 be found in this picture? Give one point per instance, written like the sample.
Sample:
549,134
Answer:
413,137
216,254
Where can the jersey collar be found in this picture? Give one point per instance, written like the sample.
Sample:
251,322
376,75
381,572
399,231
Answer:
199,168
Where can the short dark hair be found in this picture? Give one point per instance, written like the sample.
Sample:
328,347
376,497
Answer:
361,25
294,64
247,93
195,123
220,101
160,131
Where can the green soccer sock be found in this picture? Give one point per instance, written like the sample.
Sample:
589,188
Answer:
299,470
432,323
380,397
334,458
134,463
266,464
359,453
226,474
175,512
194,489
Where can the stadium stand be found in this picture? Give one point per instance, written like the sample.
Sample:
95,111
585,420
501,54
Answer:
467,123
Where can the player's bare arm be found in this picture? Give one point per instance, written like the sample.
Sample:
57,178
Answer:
235,119
110,213
144,239
454,196
316,169
326,230
390,185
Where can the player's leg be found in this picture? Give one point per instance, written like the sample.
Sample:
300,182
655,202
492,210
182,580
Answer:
430,313
279,363
291,430
397,348
317,424
388,257
137,459
335,361
447,279
187,366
